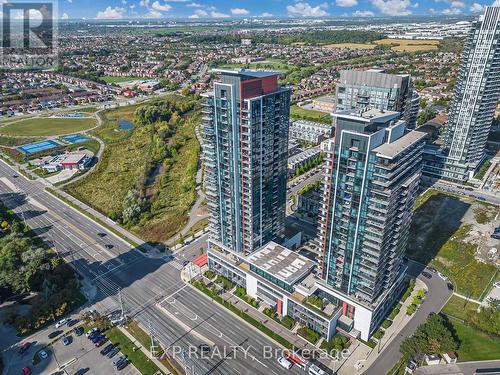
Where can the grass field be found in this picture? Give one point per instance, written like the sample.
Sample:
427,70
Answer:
45,126
404,45
120,167
351,45
16,141
123,165
136,356
459,308
297,112
110,79
443,234
475,345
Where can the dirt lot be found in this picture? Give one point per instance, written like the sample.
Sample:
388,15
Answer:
453,234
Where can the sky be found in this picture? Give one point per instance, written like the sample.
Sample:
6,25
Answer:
213,9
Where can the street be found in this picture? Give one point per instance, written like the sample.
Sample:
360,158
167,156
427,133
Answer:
143,282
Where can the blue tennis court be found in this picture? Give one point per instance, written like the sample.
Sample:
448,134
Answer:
32,148
75,138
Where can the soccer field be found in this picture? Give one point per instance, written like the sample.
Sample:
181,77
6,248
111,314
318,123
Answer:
46,126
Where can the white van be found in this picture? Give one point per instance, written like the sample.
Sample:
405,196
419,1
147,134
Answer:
285,363
315,370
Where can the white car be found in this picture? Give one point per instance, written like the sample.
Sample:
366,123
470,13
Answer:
497,284
285,363
62,322
90,332
442,276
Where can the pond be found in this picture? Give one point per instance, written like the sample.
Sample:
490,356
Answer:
125,125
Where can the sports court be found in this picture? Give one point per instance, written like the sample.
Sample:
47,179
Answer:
32,148
75,138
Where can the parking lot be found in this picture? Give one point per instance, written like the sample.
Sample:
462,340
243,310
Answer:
79,353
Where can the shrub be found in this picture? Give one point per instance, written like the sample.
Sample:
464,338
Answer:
288,322
411,309
270,313
386,323
209,274
408,291
315,301
378,334
394,313
226,283
309,334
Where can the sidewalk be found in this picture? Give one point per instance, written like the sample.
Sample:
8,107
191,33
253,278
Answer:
146,352
397,324
276,327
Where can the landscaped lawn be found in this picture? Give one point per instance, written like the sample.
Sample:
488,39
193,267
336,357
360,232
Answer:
297,112
475,345
458,307
46,126
110,79
137,357
440,235
16,141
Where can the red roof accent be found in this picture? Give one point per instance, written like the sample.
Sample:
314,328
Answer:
201,260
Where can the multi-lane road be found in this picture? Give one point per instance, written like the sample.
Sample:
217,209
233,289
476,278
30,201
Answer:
151,288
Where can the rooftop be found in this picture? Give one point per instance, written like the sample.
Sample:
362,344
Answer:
284,264
247,72
391,150
367,115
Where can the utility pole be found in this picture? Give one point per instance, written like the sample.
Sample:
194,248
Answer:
121,304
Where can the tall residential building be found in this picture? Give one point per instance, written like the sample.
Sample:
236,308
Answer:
373,88
245,130
476,95
371,182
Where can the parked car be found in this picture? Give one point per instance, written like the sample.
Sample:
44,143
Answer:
107,349
450,286
122,365
42,354
82,371
54,334
442,276
91,332
119,360
62,322
66,340
24,346
78,331
113,352
426,275
26,370
72,322
101,342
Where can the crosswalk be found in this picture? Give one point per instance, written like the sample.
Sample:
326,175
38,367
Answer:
175,264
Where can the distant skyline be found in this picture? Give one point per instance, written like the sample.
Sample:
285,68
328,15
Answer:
225,9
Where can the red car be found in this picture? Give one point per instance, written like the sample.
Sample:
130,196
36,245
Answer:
25,346
26,371
100,342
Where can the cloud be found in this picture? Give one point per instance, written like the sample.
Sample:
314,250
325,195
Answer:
65,16
194,5
69,1
266,14
305,10
144,3
216,14
239,11
496,3
154,14
393,7
124,2
457,4
346,3
451,11
363,13
198,13
110,13
161,8
476,8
